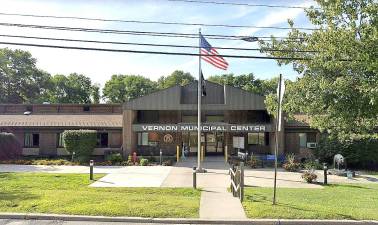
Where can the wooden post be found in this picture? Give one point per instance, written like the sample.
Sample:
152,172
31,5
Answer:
177,153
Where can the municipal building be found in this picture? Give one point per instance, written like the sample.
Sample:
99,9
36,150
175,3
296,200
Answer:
165,120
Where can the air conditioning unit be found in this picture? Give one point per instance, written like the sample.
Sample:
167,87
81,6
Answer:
312,144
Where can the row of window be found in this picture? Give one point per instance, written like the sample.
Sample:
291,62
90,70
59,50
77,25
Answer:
31,140
86,108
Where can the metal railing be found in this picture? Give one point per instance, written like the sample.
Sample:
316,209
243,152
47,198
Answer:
237,181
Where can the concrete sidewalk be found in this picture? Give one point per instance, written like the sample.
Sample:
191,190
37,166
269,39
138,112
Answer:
216,201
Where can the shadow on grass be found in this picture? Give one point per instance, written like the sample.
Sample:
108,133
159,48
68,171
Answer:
16,196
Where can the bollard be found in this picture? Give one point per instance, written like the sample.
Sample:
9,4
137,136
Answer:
325,168
161,157
202,153
195,177
225,154
177,153
241,181
73,156
91,163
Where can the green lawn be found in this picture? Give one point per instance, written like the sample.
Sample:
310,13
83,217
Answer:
70,194
333,202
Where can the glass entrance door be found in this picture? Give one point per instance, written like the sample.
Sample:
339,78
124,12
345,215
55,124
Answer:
214,143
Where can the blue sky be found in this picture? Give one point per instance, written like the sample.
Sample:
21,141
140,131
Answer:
99,66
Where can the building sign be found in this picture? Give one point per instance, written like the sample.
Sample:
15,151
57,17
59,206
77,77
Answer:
204,128
168,138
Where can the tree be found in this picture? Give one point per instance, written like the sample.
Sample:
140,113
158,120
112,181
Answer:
338,87
74,88
121,88
246,82
20,80
178,77
96,93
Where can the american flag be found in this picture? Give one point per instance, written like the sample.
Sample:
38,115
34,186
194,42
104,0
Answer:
210,55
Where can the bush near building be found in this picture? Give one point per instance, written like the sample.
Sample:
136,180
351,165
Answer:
80,142
10,147
360,151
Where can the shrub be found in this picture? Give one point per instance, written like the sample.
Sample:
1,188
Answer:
360,151
143,162
114,158
312,164
167,163
254,162
82,142
10,147
290,164
309,176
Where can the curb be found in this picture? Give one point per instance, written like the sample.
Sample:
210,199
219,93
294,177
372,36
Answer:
37,216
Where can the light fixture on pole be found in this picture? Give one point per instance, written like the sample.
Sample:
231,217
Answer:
250,39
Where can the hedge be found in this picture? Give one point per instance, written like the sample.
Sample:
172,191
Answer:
360,151
82,142
10,147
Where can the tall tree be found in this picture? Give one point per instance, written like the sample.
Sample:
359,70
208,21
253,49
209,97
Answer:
74,88
338,87
121,88
178,77
20,80
246,82
96,93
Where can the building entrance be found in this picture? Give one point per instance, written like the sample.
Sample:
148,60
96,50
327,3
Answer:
213,142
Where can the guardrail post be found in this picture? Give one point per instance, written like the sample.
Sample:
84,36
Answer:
241,181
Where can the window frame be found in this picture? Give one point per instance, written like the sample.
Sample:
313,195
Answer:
31,139
261,138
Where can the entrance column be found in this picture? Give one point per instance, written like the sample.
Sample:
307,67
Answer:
129,137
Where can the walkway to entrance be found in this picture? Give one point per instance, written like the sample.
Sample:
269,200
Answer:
216,201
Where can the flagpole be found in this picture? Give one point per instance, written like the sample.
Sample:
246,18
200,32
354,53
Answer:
199,168
276,138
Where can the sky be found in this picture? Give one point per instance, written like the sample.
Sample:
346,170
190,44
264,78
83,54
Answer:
100,66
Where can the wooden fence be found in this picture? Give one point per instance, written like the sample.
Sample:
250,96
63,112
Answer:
237,181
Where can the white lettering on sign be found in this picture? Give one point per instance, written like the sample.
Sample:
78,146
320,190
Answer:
206,128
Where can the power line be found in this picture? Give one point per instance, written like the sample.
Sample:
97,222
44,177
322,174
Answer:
134,32
146,44
149,52
241,4
155,22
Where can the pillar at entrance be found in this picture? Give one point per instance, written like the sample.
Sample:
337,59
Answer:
129,137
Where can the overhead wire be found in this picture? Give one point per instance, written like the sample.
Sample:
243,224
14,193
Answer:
135,32
241,4
154,22
146,44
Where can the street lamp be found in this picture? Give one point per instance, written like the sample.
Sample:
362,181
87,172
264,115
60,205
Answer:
250,39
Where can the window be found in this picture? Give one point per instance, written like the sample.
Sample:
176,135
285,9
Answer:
302,140
214,118
86,108
102,140
148,139
189,119
59,140
256,139
31,140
